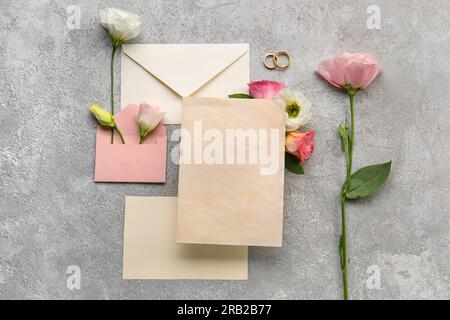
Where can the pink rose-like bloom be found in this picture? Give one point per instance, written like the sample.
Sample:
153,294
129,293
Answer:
300,144
349,69
265,89
148,119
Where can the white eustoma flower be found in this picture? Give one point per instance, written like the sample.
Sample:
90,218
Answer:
121,25
297,107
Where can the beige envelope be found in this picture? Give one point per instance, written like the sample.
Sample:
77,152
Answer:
162,74
223,200
150,250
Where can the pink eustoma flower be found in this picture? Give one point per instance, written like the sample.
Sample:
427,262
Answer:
148,119
265,89
300,144
351,71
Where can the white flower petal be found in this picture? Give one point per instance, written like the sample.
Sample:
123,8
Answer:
288,97
120,24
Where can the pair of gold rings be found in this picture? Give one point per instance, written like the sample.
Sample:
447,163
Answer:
273,61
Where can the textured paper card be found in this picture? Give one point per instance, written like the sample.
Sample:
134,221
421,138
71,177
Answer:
150,250
230,191
130,162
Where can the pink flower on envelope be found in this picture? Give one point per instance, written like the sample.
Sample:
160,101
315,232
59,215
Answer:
148,119
349,70
265,89
300,144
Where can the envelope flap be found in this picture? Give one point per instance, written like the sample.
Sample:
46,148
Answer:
185,68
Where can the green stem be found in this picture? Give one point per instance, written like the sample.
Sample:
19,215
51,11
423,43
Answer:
349,163
343,249
120,134
114,48
346,151
352,132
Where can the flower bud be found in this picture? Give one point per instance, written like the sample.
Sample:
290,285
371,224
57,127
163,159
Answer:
104,117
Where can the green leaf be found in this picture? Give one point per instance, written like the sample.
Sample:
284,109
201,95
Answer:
240,96
292,163
344,138
368,180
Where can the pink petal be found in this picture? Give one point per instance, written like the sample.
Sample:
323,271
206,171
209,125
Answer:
356,69
265,89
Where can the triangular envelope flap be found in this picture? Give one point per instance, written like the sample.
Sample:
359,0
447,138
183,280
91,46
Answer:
185,68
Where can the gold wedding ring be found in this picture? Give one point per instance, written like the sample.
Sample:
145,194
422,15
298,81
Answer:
272,60
282,54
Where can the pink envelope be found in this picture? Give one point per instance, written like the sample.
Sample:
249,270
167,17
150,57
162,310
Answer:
130,162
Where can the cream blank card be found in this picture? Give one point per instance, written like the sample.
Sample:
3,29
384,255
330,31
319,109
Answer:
150,250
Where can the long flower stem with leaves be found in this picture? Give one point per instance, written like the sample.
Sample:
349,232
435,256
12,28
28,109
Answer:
360,184
352,72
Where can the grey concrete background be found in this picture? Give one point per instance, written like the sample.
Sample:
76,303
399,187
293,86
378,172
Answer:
53,215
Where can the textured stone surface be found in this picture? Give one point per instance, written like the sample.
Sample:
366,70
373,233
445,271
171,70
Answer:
52,214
